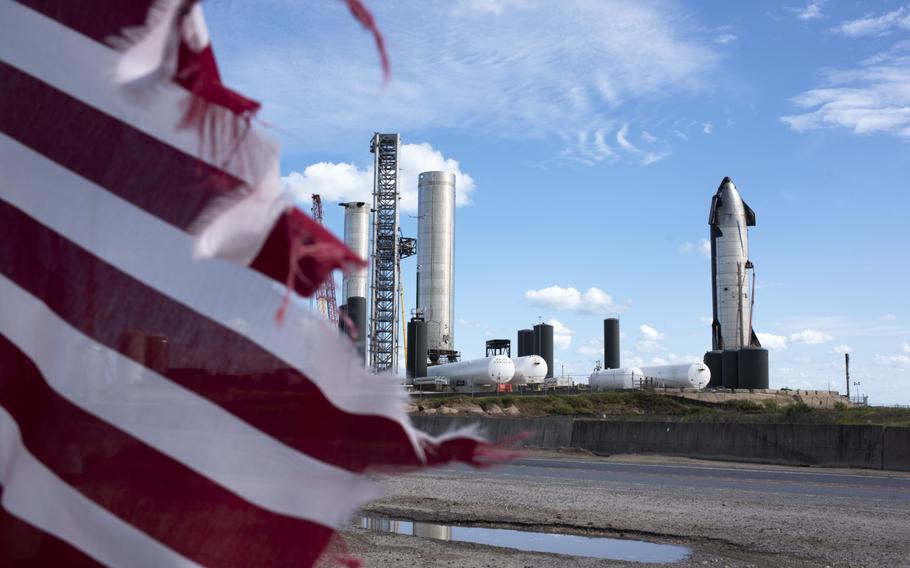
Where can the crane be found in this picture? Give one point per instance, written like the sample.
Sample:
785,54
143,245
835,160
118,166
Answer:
325,296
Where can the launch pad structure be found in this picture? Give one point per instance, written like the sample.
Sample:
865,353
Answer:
385,253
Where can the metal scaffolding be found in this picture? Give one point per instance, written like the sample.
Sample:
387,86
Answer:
386,254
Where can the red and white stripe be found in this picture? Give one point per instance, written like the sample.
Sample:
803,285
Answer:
247,443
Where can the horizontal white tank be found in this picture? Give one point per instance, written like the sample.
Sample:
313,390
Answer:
487,371
686,376
529,370
615,379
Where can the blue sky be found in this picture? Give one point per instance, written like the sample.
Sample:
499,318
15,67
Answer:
588,138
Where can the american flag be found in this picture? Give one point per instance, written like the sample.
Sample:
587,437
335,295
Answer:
152,411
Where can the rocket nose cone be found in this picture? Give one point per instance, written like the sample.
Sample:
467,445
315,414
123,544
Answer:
726,180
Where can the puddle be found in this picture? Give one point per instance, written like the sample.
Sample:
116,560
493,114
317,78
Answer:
574,545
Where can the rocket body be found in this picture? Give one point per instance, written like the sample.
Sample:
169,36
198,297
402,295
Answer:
731,271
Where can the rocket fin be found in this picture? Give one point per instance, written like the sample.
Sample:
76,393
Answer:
712,215
750,215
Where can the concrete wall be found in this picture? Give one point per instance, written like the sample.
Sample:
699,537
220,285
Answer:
795,444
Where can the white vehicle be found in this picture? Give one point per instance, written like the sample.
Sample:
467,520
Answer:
495,370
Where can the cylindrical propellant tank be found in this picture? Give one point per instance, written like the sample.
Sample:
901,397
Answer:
417,349
529,370
615,379
753,368
436,256
686,375
478,372
714,361
357,238
525,342
543,345
730,374
356,309
611,343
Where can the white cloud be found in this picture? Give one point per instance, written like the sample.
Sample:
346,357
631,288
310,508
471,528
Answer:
346,182
686,247
650,333
724,39
888,317
510,69
905,347
899,361
587,147
650,340
623,141
876,25
704,248
562,335
810,337
593,301
842,349
871,98
772,342
591,348
653,157
707,128
812,11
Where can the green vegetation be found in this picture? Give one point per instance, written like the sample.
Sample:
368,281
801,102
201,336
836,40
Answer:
644,405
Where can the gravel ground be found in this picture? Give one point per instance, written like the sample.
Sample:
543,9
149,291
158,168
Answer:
722,527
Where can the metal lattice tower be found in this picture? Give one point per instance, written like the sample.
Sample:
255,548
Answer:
325,296
385,268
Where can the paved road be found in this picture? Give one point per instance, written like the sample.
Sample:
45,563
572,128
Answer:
894,488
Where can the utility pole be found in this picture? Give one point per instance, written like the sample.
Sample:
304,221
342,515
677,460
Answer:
847,369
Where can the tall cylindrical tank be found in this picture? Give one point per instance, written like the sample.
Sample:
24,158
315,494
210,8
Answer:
525,342
436,256
753,368
356,309
357,238
730,373
543,345
714,361
686,375
529,370
478,372
417,349
611,343
615,379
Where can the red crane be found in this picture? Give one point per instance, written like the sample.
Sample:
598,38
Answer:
325,296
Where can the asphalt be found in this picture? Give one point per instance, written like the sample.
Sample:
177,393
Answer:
797,481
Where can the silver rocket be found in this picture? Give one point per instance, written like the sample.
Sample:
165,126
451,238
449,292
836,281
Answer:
732,275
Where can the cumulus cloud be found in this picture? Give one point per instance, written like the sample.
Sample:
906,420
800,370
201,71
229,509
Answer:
810,337
811,11
562,335
591,348
842,349
876,25
899,361
871,98
772,342
703,248
707,128
341,182
650,339
594,301
905,347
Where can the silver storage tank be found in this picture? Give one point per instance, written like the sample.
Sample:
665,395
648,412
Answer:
357,238
435,256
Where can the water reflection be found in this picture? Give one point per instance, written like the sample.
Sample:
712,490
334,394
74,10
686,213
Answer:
574,545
